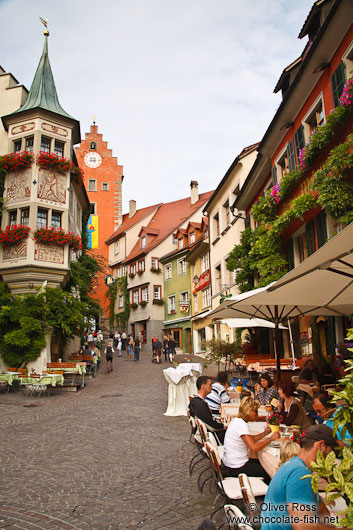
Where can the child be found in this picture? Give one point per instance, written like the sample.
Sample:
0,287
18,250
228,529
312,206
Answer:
288,450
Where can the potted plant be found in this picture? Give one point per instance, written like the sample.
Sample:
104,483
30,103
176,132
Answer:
131,275
156,270
143,303
274,420
133,306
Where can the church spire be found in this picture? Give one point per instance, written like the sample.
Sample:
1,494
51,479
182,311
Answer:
43,93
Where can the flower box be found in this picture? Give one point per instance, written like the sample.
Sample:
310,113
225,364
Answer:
131,275
53,236
16,161
157,271
13,234
157,301
59,164
133,306
140,272
143,303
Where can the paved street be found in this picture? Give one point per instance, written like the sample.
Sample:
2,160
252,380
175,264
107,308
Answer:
103,458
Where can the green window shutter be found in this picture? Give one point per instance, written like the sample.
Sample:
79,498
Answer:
247,221
291,155
299,140
310,237
274,175
290,254
338,80
321,229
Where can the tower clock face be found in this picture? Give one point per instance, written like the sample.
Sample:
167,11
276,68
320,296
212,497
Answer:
93,159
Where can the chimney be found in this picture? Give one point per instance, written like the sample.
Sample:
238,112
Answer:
132,208
194,185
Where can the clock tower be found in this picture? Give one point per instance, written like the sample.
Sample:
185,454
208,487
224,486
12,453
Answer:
103,178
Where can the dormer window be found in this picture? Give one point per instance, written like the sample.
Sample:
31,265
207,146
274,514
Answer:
192,237
143,241
180,243
92,146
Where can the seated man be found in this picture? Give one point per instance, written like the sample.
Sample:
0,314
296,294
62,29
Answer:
327,412
218,394
290,495
199,408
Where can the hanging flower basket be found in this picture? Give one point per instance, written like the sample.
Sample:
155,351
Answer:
16,161
13,234
59,164
52,236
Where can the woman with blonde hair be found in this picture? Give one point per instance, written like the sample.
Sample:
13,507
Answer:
238,441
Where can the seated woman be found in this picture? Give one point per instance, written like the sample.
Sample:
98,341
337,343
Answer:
309,373
238,441
290,407
265,391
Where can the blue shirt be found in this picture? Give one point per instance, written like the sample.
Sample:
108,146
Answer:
287,487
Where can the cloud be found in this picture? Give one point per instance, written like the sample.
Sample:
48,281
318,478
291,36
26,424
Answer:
178,88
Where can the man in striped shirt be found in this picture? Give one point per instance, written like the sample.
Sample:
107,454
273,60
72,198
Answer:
218,394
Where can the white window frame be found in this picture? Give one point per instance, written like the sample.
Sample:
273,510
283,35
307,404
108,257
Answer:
310,114
136,296
205,262
124,270
184,299
155,263
144,294
93,182
347,59
141,265
181,267
206,297
171,304
143,241
168,271
157,289
116,248
195,303
281,156
121,301
133,268
192,237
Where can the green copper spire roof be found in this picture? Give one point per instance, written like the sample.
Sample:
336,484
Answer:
43,92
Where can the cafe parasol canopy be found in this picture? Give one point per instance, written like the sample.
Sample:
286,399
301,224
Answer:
320,285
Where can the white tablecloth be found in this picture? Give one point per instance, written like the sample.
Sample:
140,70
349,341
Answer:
194,370
178,391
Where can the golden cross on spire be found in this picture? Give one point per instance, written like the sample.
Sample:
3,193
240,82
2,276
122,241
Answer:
44,21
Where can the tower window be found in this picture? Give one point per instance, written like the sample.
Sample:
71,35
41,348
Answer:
56,219
42,218
105,186
93,146
17,145
92,185
29,144
59,148
45,144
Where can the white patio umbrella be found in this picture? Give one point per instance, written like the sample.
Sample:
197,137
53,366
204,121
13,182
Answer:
321,285
249,323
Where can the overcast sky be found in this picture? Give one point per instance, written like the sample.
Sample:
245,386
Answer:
178,87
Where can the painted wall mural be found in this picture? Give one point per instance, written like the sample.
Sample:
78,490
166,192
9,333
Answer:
18,184
50,253
51,186
15,252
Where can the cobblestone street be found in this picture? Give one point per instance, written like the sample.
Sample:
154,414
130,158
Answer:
105,457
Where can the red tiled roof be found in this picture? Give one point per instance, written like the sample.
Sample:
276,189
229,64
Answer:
129,222
148,230
167,219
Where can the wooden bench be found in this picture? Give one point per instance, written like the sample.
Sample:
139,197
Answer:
72,381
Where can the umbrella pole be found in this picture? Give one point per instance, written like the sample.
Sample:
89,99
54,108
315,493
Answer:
291,343
277,345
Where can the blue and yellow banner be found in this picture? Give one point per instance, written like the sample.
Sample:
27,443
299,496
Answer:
92,231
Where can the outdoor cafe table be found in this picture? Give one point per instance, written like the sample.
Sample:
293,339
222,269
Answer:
44,380
9,377
194,370
230,411
178,390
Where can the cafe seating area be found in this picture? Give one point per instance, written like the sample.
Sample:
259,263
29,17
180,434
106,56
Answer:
61,376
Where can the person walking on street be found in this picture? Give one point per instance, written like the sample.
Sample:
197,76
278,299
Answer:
137,347
171,349
109,350
130,347
165,347
158,350
119,347
123,341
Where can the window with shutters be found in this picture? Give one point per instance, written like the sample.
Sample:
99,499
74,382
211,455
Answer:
291,156
215,226
289,251
338,80
299,140
348,59
281,166
273,176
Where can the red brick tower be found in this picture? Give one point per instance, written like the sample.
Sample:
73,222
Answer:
103,178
